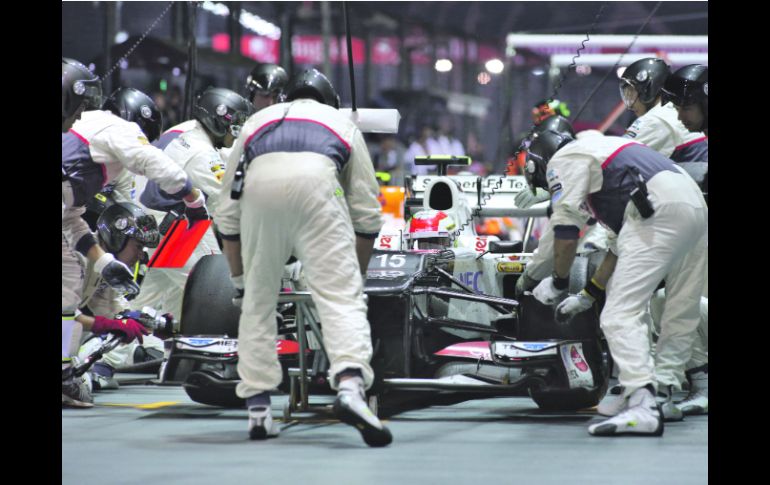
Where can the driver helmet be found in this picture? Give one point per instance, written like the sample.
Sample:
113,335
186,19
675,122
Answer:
78,86
135,106
430,229
545,141
267,80
311,83
221,111
689,85
124,220
643,80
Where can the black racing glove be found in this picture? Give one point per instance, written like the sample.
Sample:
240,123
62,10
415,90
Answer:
196,210
195,214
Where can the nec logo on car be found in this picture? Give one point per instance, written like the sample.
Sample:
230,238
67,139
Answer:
471,278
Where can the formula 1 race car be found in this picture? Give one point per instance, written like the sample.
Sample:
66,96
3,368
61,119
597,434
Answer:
442,309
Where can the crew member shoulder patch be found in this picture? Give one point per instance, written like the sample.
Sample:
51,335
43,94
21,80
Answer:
552,176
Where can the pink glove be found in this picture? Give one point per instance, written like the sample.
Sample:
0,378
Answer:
128,326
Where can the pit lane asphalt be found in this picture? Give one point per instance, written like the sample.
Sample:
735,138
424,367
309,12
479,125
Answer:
162,437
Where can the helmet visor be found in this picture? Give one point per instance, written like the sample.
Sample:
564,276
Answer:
145,230
534,170
628,93
90,90
236,121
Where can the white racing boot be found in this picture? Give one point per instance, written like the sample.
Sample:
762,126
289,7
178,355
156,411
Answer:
697,401
641,416
350,407
670,410
612,405
261,424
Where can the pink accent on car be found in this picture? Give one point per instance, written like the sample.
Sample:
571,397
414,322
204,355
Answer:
470,350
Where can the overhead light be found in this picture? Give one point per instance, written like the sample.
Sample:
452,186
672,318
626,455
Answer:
495,66
443,65
176,71
260,25
554,71
123,64
537,71
121,37
483,78
216,8
163,60
253,22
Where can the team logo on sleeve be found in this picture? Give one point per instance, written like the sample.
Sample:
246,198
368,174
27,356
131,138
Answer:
632,131
552,176
217,168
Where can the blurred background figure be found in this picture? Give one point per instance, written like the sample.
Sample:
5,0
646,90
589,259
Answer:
388,155
422,146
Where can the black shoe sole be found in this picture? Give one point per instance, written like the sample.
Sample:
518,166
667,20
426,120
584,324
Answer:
695,411
372,436
258,433
609,430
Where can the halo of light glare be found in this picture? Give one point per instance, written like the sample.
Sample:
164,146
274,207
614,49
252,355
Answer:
443,65
583,69
495,66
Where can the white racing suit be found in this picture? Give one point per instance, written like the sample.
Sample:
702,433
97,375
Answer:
309,185
99,299
700,348
592,174
98,148
661,130
191,148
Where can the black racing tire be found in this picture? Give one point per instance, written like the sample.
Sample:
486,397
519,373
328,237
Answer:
567,399
204,388
207,307
557,396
